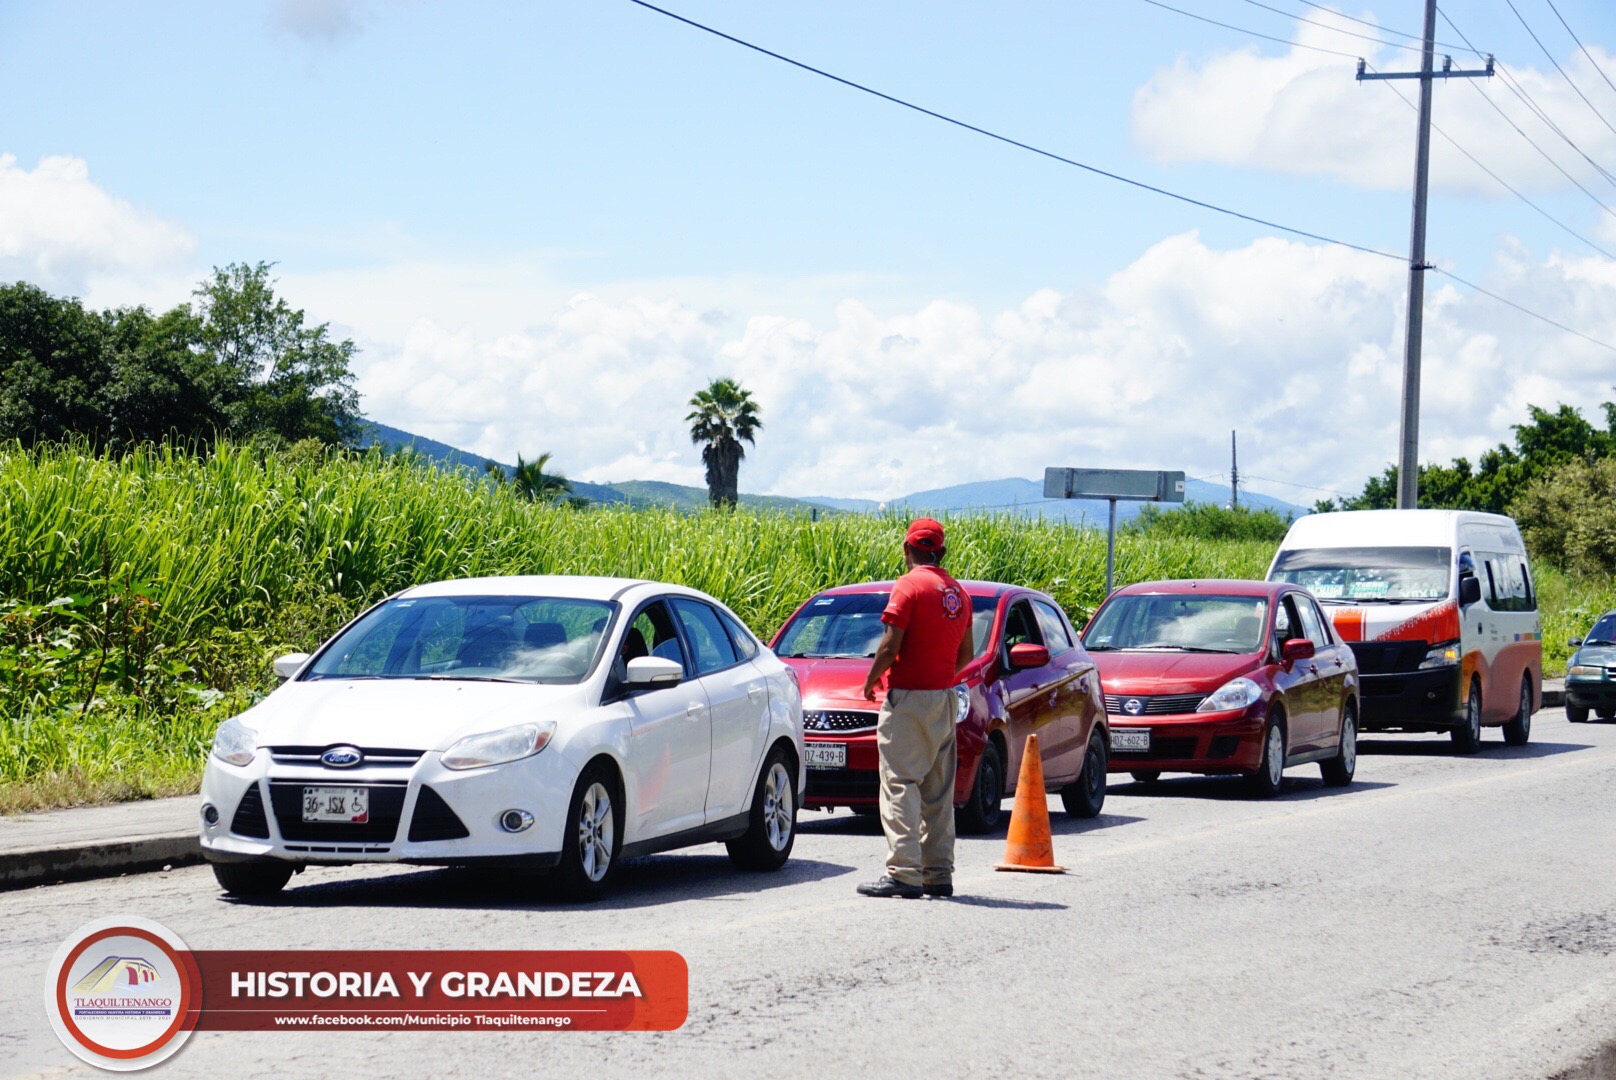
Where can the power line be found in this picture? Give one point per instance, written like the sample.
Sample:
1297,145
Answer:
1294,484
1557,66
1386,29
1501,181
1251,33
1591,62
1525,310
1096,170
1332,29
1546,156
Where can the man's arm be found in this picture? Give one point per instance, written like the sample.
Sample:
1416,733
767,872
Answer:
885,654
967,652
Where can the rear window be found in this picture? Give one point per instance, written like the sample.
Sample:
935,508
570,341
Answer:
850,625
1368,574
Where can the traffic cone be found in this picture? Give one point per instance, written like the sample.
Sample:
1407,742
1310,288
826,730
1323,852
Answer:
1028,845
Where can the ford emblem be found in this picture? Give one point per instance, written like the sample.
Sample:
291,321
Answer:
1133,706
342,757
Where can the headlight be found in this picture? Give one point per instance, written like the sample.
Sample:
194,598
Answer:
1234,694
962,703
1586,670
498,747
235,742
1440,657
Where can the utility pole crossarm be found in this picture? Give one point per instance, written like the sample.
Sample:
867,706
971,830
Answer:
1447,72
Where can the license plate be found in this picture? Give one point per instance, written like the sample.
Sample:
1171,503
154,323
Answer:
346,804
1130,738
825,755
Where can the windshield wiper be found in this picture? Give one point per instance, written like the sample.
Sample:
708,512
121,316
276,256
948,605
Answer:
472,678
1597,641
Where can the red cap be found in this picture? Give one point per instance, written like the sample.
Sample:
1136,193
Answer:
925,534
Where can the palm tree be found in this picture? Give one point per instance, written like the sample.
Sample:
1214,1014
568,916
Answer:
721,418
530,481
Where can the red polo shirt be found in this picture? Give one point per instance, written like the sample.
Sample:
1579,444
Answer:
934,614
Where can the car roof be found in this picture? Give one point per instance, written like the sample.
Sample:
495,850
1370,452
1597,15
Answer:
1206,587
972,588
568,586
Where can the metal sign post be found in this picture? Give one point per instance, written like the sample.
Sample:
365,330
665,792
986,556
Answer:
1112,485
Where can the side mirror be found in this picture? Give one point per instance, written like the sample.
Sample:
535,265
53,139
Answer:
1469,590
287,666
649,671
1576,643
1297,649
1028,655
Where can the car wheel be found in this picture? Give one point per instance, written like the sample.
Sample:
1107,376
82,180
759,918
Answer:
1577,714
252,879
1146,776
592,839
771,827
1519,729
1467,736
984,808
1270,775
1607,714
1338,771
1085,796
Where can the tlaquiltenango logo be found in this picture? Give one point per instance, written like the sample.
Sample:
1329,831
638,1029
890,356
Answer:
123,993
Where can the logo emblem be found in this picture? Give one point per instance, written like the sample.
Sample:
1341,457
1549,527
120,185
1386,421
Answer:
1133,706
952,604
342,757
123,993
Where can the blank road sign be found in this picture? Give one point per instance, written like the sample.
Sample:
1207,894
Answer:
1138,485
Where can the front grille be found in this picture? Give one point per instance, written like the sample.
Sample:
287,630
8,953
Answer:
846,720
841,783
1222,746
1158,705
434,820
1168,748
1384,657
379,756
249,819
1389,687
386,807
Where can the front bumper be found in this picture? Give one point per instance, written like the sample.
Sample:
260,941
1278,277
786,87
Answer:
859,783
1212,743
1587,693
1427,700
422,813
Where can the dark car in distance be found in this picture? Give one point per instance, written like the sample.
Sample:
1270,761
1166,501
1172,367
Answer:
1590,683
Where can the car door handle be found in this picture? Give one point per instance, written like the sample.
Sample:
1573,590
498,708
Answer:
755,692
1313,668
694,710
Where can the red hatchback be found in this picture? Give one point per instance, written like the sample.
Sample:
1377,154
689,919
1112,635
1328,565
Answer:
1242,677
1030,675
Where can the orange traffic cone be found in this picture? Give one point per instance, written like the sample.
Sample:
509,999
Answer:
1028,845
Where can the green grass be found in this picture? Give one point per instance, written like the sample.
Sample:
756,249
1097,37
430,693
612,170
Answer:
180,578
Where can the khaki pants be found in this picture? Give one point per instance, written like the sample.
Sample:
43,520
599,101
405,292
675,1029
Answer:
915,736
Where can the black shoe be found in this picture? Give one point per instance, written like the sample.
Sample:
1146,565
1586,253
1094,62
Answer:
942,888
890,887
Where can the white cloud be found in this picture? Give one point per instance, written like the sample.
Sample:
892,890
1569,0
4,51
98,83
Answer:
1303,112
61,231
1297,346
325,22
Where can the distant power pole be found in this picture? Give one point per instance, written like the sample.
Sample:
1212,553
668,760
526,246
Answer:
1408,459
1234,472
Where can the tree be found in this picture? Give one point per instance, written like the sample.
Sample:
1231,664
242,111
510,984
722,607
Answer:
1568,517
721,418
529,480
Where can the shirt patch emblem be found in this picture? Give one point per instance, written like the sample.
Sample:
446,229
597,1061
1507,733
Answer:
952,604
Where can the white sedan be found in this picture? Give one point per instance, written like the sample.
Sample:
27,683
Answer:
559,723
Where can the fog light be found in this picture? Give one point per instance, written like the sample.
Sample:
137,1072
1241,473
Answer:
210,815
515,820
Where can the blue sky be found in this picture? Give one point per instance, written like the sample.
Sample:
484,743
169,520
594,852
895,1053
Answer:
398,159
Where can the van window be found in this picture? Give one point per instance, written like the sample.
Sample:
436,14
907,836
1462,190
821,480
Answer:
1511,590
1368,574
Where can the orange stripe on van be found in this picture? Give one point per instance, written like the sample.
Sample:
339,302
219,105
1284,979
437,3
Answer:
1348,622
1441,623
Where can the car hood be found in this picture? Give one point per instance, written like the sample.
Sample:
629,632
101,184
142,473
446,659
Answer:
1595,655
412,714
1169,672
833,683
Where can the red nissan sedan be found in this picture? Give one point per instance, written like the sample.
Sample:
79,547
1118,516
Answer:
1243,677
1030,675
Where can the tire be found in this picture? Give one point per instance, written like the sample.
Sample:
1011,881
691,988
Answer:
1467,736
984,807
1577,714
771,827
1146,776
593,837
1606,714
1085,796
1338,771
1519,730
252,879
1266,781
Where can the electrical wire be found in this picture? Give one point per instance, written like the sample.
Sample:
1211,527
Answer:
1558,68
1580,45
1336,29
1525,310
1250,33
1096,170
1294,484
1546,156
1389,30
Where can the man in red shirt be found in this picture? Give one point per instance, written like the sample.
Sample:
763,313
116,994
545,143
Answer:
926,643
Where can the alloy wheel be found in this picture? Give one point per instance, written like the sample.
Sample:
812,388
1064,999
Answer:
1349,743
778,806
1276,755
596,832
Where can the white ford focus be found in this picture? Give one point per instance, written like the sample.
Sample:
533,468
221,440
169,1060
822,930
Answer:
561,723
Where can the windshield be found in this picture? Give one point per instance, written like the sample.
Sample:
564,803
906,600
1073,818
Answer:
850,626
1368,574
1217,624
480,638
1603,633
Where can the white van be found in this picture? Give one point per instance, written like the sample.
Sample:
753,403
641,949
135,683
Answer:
1440,609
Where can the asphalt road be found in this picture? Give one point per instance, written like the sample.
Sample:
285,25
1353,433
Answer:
1442,917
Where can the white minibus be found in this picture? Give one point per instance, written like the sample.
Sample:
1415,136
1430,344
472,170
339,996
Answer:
1439,607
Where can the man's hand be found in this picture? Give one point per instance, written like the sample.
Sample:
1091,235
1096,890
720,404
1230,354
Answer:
885,654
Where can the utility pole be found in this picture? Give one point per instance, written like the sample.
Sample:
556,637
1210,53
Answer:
1408,459
1234,472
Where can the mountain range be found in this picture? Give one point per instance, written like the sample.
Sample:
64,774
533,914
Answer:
1012,495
